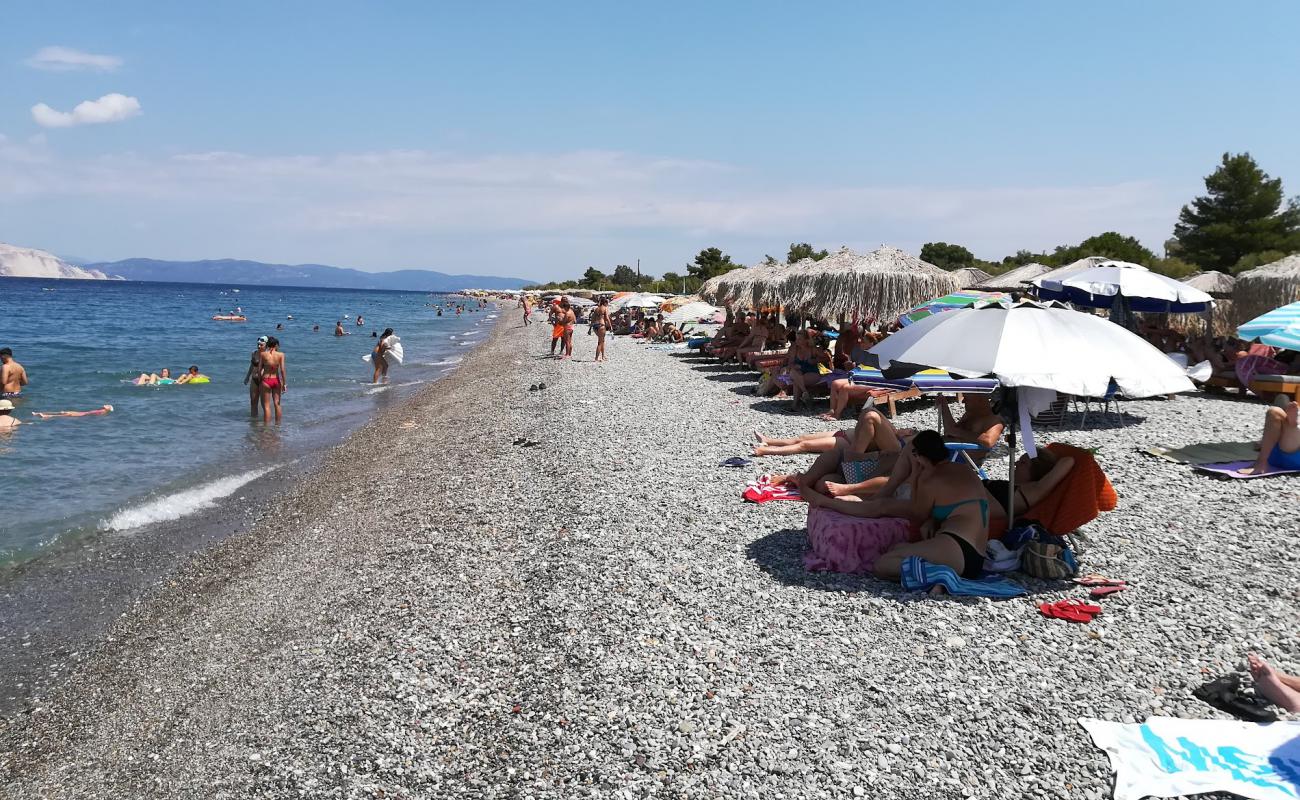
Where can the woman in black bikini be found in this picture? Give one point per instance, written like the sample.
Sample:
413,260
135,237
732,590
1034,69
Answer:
949,498
253,377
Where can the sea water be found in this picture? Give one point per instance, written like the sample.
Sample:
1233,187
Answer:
166,452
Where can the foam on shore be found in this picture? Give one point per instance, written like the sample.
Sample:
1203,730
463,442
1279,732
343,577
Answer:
180,504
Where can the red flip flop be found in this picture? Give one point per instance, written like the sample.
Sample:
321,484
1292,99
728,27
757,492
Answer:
1065,610
1102,591
1099,580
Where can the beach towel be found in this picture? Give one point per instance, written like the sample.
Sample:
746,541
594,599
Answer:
1231,469
1248,367
1208,453
762,490
920,575
1077,500
845,543
1170,757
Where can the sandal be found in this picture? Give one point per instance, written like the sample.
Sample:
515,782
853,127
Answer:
1103,591
1099,580
1225,694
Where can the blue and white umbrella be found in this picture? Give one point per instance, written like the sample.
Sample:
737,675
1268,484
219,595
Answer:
1278,328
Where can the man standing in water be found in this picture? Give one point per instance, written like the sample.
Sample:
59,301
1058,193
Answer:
12,375
7,419
273,378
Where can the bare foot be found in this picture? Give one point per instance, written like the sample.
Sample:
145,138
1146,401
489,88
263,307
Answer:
1269,685
828,417
837,489
760,437
1255,470
938,591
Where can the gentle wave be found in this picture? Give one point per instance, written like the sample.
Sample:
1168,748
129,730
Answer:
180,504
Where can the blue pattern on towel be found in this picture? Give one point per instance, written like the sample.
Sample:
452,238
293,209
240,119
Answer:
920,575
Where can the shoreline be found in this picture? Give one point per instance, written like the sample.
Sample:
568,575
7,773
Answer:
441,613
59,602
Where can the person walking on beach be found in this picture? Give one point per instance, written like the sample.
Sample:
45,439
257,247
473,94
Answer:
601,325
380,363
253,377
7,418
273,378
568,319
527,306
12,375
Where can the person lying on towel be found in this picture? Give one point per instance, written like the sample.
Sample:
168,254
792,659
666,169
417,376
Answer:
950,504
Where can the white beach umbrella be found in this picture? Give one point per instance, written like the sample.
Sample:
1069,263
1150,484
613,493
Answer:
1035,345
690,312
638,301
1145,291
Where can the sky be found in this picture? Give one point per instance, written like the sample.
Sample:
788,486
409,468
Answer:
536,139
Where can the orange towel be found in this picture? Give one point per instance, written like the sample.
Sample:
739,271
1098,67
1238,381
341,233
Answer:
1085,493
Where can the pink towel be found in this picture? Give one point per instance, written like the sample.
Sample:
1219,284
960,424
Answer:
842,543
762,490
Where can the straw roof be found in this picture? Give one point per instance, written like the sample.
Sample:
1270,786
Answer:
1265,288
736,287
969,276
1215,284
881,284
710,290
1012,280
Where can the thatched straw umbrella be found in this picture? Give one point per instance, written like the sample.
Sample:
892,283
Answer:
881,284
1012,280
1221,316
969,276
736,287
1265,288
711,290
770,289
1216,284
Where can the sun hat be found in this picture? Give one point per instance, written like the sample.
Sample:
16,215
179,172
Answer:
6,405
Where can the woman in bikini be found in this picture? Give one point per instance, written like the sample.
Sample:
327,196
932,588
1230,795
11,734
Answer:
380,363
273,378
253,377
949,501
601,325
802,366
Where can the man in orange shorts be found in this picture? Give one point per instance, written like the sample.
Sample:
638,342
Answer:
556,318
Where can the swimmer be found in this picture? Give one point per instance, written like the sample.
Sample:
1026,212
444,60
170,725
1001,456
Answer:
315,329
192,375
7,419
12,375
360,320
253,377
279,326
163,378
338,329
98,412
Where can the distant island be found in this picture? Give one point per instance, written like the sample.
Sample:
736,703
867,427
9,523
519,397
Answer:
17,262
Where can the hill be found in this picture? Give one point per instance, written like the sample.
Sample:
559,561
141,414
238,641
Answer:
256,273
26,262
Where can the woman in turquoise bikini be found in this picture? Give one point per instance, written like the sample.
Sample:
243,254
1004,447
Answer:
948,497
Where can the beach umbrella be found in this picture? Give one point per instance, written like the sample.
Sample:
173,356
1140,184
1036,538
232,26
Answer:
951,302
690,312
637,300
1278,328
1265,288
1101,286
1015,280
580,301
1031,345
881,284
710,289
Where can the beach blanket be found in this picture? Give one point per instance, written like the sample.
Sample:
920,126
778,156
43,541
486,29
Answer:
1231,469
762,490
844,543
1077,500
1170,757
1250,366
1209,453
920,575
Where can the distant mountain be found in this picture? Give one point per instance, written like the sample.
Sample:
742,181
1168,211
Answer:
255,273
25,262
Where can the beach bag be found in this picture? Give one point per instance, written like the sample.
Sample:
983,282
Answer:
860,470
1049,560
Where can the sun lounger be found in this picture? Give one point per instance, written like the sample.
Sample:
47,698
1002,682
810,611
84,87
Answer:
1268,385
930,381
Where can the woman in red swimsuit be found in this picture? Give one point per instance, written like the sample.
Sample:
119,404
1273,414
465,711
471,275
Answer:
273,379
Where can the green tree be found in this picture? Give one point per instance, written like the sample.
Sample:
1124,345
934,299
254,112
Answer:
1172,267
710,262
1243,212
1109,244
593,278
625,277
1023,257
802,250
1257,260
947,256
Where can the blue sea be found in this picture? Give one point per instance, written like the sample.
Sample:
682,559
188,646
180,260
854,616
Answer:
166,452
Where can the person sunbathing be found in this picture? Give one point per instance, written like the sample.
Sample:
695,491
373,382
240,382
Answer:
949,502
873,432
845,393
726,349
1279,447
1035,479
104,409
805,356
1278,688
977,424
755,342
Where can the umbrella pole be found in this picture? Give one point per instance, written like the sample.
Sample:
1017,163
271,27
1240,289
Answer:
1011,466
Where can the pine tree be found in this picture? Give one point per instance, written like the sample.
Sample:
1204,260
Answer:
1243,213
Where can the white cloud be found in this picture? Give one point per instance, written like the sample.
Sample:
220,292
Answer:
109,108
66,59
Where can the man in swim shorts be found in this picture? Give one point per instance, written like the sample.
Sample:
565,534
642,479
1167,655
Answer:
7,419
1279,448
12,375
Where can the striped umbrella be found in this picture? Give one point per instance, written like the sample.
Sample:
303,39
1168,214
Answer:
1278,328
951,302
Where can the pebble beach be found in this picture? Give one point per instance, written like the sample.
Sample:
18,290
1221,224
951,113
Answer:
493,591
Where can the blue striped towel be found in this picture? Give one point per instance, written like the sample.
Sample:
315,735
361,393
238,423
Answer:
920,575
